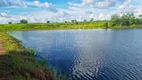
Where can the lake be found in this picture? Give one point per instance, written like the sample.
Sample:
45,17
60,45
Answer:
89,54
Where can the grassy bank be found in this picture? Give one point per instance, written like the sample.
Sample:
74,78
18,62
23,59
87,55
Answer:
68,25
51,26
19,63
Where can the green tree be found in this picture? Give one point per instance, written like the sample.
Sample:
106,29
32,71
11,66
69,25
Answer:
75,22
48,22
115,17
137,21
65,21
140,16
23,21
130,15
92,19
84,20
132,21
9,22
72,21
106,25
124,20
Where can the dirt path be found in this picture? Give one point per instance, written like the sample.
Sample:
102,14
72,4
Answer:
2,50
2,61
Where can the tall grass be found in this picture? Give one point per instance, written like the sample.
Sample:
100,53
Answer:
21,63
65,25
42,26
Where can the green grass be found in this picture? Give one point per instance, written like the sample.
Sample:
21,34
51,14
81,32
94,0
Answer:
10,43
51,26
68,25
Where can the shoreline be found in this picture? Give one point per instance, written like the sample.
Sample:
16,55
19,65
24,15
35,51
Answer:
66,26
19,63
69,29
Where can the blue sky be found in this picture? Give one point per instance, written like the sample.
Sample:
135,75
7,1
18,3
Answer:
65,10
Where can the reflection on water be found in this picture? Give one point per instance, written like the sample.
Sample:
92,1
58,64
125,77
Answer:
89,54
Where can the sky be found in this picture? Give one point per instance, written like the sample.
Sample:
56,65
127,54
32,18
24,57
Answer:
65,10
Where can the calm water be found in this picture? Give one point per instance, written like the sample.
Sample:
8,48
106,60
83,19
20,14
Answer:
89,54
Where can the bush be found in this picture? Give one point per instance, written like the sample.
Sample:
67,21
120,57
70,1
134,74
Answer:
23,21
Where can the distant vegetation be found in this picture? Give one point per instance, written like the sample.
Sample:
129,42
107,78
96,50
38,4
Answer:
126,20
9,22
23,21
117,21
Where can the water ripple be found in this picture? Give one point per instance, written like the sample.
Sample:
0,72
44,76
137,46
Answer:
89,54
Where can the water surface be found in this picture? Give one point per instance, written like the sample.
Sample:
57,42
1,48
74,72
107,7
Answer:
89,54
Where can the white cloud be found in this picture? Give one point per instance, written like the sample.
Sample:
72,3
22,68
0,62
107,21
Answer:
92,16
84,2
23,17
43,5
21,3
127,7
74,4
44,11
4,3
101,16
3,15
99,3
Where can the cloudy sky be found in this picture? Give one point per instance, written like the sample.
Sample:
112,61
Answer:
65,10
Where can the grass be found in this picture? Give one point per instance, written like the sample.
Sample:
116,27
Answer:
68,25
10,43
52,26
20,64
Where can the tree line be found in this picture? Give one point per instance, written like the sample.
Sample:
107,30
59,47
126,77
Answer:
127,20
